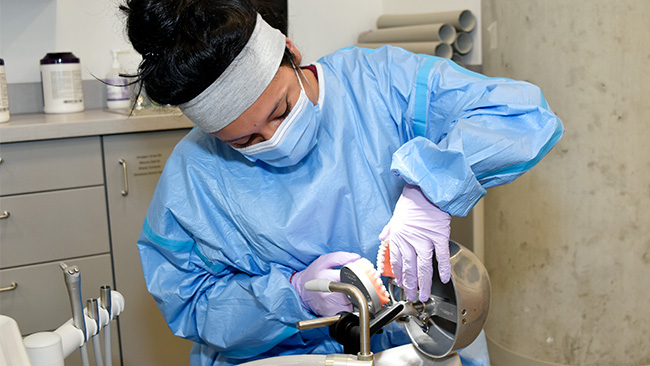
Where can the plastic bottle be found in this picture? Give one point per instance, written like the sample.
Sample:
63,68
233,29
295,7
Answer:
61,82
4,99
118,94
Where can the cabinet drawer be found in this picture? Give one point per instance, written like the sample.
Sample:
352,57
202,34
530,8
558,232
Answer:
48,165
40,301
48,226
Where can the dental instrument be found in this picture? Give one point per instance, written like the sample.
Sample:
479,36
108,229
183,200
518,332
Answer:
449,320
72,277
52,348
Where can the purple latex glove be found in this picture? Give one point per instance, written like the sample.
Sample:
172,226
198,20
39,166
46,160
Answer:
324,303
417,228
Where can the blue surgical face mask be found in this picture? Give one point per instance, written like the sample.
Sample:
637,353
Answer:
294,138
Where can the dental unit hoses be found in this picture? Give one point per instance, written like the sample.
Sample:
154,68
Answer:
92,308
105,302
72,277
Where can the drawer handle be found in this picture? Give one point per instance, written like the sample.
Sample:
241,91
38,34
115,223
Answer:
5,215
9,288
126,178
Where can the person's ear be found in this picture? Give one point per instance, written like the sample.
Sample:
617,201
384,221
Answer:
294,51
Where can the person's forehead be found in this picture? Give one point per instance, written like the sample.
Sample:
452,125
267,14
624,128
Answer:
274,93
243,81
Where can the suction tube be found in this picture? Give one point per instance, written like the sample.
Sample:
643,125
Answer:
106,304
92,307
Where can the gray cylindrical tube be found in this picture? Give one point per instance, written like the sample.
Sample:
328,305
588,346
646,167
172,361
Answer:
463,43
463,20
440,32
457,58
430,48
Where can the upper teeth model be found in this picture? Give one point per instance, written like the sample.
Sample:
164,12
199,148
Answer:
383,260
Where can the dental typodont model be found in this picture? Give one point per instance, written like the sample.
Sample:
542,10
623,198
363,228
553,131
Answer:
364,276
449,320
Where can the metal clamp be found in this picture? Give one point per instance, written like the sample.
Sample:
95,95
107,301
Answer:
125,192
359,299
9,288
5,215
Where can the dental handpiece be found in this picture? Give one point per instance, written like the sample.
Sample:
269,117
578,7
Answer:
106,302
92,307
72,277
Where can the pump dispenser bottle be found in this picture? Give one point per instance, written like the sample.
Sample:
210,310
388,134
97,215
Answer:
118,94
4,99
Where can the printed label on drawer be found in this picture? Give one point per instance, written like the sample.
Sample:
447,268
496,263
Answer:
149,164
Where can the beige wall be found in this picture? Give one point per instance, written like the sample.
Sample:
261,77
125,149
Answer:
568,244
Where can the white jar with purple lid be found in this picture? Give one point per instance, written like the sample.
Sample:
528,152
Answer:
4,98
61,82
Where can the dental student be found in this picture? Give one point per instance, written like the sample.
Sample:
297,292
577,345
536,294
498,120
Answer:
294,171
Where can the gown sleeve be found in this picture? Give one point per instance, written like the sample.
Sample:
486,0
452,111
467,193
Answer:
472,132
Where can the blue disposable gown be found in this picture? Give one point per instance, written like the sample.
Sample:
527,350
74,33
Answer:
223,235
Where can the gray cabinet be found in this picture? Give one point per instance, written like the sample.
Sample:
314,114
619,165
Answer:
66,200
145,337
53,225
52,198
37,166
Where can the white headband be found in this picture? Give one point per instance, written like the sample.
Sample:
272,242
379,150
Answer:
241,83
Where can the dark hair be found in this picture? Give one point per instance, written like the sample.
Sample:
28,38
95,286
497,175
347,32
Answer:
187,44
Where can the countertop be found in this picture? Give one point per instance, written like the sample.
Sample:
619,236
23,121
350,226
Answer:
31,127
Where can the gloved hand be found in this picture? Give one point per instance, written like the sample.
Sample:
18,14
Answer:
417,228
324,303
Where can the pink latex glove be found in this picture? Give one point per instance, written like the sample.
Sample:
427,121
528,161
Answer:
416,230
324,303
